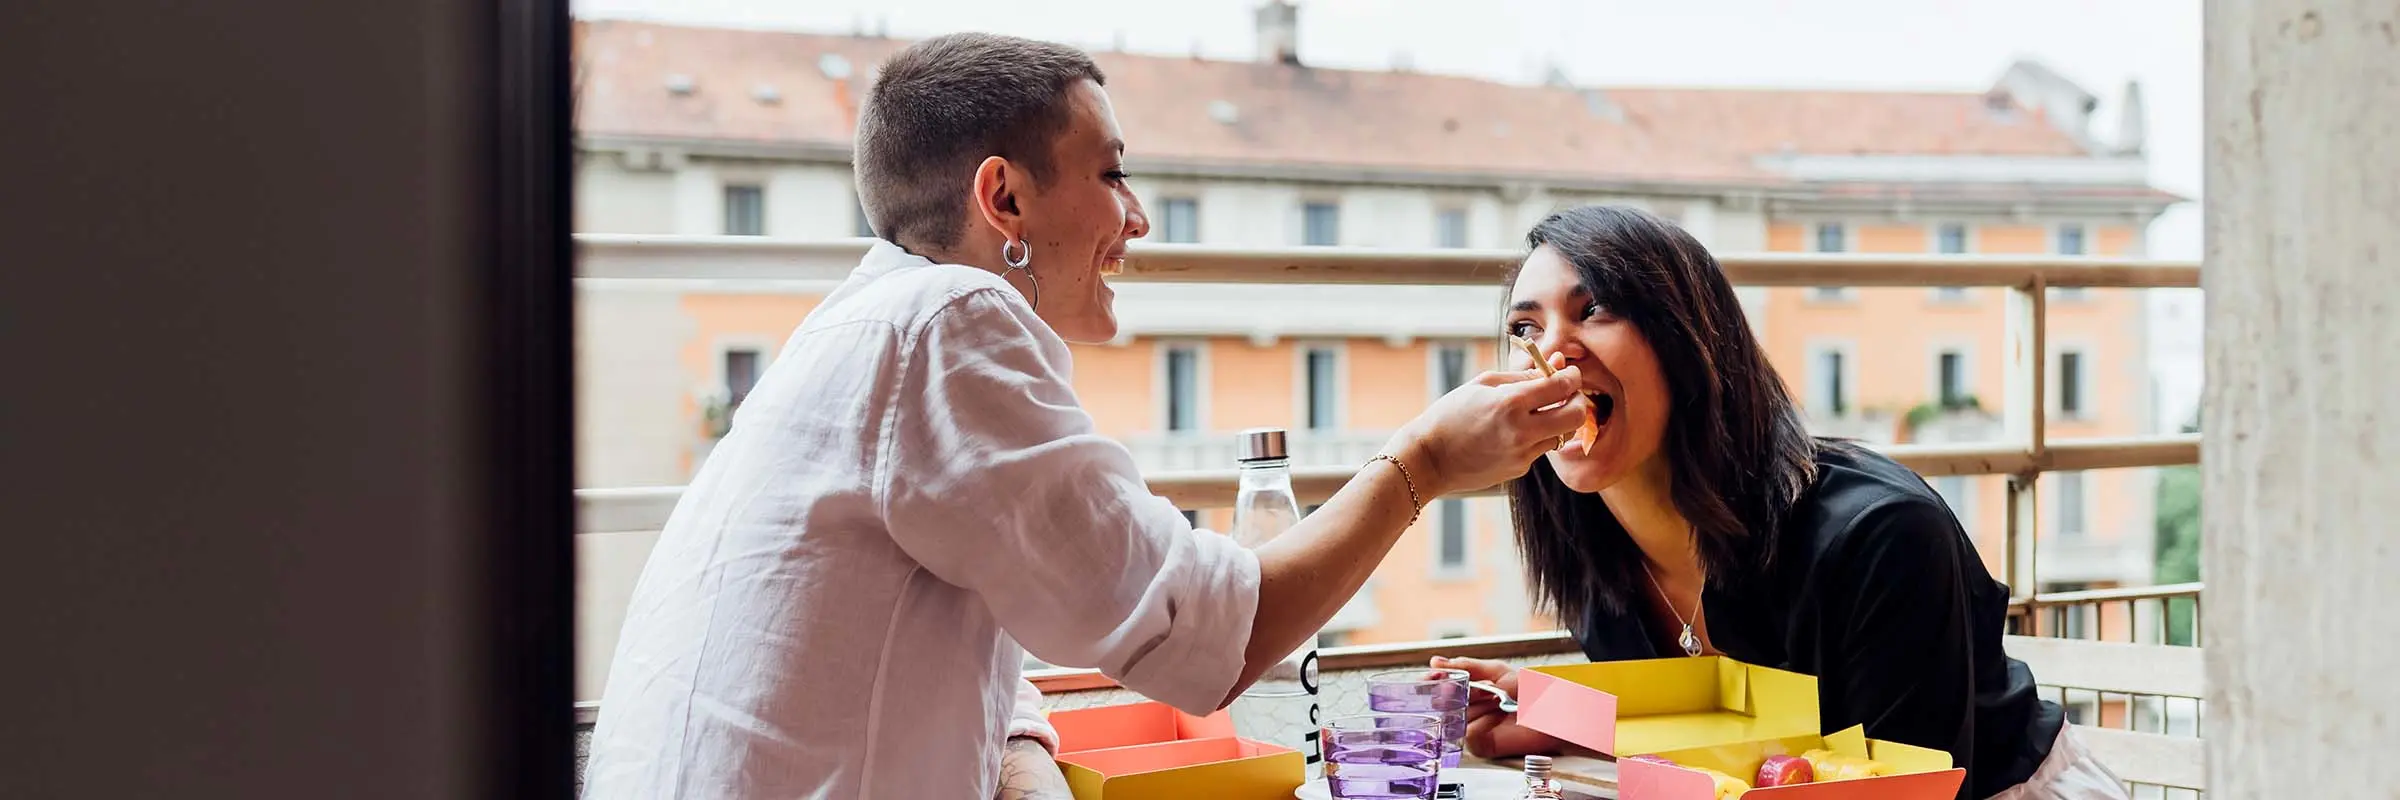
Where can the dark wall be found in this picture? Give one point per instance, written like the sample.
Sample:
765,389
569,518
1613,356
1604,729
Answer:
283,317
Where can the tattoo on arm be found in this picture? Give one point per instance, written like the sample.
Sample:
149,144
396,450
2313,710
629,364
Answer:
1027,772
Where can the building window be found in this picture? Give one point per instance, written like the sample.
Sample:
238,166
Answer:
1950,239
745,211
859,224
1449,368
1829,381
1450,228
1324,388
1452,629
1951,378
1192,517
740,365
1183,389
1179,221
2070,384
2068,240
1320,224
1451,557
1954,490
1832,237
2070,620
2070,504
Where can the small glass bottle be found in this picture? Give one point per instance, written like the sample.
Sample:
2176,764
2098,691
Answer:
1283,701
1263,508
1538,785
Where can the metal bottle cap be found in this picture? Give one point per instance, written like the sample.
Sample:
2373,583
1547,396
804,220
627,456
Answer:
1261,444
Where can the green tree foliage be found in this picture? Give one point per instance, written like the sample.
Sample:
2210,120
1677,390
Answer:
2179,539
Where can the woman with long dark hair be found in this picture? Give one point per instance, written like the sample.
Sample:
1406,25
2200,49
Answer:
1702,518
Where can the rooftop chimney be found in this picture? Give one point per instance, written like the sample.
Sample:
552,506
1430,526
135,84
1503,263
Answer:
2068,107
1555,76
2133,130
1279,33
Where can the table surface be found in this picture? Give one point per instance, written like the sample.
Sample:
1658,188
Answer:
1584,776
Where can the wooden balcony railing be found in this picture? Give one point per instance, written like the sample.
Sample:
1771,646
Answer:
2023,453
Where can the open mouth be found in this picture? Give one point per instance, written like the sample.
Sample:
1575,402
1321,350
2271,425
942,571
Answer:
1603,407
1112,264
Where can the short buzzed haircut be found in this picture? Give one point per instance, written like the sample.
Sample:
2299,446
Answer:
943,105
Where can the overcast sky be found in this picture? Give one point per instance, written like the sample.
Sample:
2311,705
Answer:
1887,44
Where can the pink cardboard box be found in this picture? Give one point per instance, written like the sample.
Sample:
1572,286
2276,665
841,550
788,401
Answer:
1655,705
1150,751
1134,723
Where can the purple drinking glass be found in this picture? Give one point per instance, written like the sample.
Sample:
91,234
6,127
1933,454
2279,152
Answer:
1439,692
1382,756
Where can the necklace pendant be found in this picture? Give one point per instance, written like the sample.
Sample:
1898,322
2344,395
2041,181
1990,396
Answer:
1690,641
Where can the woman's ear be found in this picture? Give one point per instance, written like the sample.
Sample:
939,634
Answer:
996,186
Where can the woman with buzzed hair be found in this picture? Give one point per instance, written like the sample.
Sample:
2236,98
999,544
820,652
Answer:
836,607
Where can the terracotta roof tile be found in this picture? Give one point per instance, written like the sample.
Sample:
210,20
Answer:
1172,110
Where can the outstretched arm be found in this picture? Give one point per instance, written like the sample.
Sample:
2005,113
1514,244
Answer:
1027,772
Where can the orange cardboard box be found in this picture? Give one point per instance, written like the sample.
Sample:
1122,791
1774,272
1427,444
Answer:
1919,773
1150,751
1657,705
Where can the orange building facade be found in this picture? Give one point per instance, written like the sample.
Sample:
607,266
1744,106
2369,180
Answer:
1461,578
681,144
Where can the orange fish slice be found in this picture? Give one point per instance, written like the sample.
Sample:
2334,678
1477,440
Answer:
1590,432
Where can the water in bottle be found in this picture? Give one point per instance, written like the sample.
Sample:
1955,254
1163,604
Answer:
1283,702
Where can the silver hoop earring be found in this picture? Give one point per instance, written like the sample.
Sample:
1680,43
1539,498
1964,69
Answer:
1018,255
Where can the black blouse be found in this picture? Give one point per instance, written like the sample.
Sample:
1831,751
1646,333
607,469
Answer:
1876,590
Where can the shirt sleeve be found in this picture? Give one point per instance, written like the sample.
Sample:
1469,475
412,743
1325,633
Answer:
1027,719
993,478
1906,660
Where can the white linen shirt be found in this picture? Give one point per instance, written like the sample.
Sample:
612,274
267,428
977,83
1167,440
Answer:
835,606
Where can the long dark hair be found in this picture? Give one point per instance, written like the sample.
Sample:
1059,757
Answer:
1738,455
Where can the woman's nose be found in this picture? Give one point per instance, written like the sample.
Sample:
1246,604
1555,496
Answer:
1559,341
1137,222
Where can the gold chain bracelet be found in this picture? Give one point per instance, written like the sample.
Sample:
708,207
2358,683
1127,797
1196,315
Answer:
1411,480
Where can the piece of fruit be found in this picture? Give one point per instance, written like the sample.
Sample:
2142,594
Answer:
1830,767
1785,771
1728,787
1590,432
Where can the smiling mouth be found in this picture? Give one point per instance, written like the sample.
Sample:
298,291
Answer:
1603,407
1112,264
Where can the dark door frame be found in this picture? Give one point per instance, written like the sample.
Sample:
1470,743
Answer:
529,579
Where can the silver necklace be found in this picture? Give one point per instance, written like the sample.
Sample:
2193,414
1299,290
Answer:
1690,639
